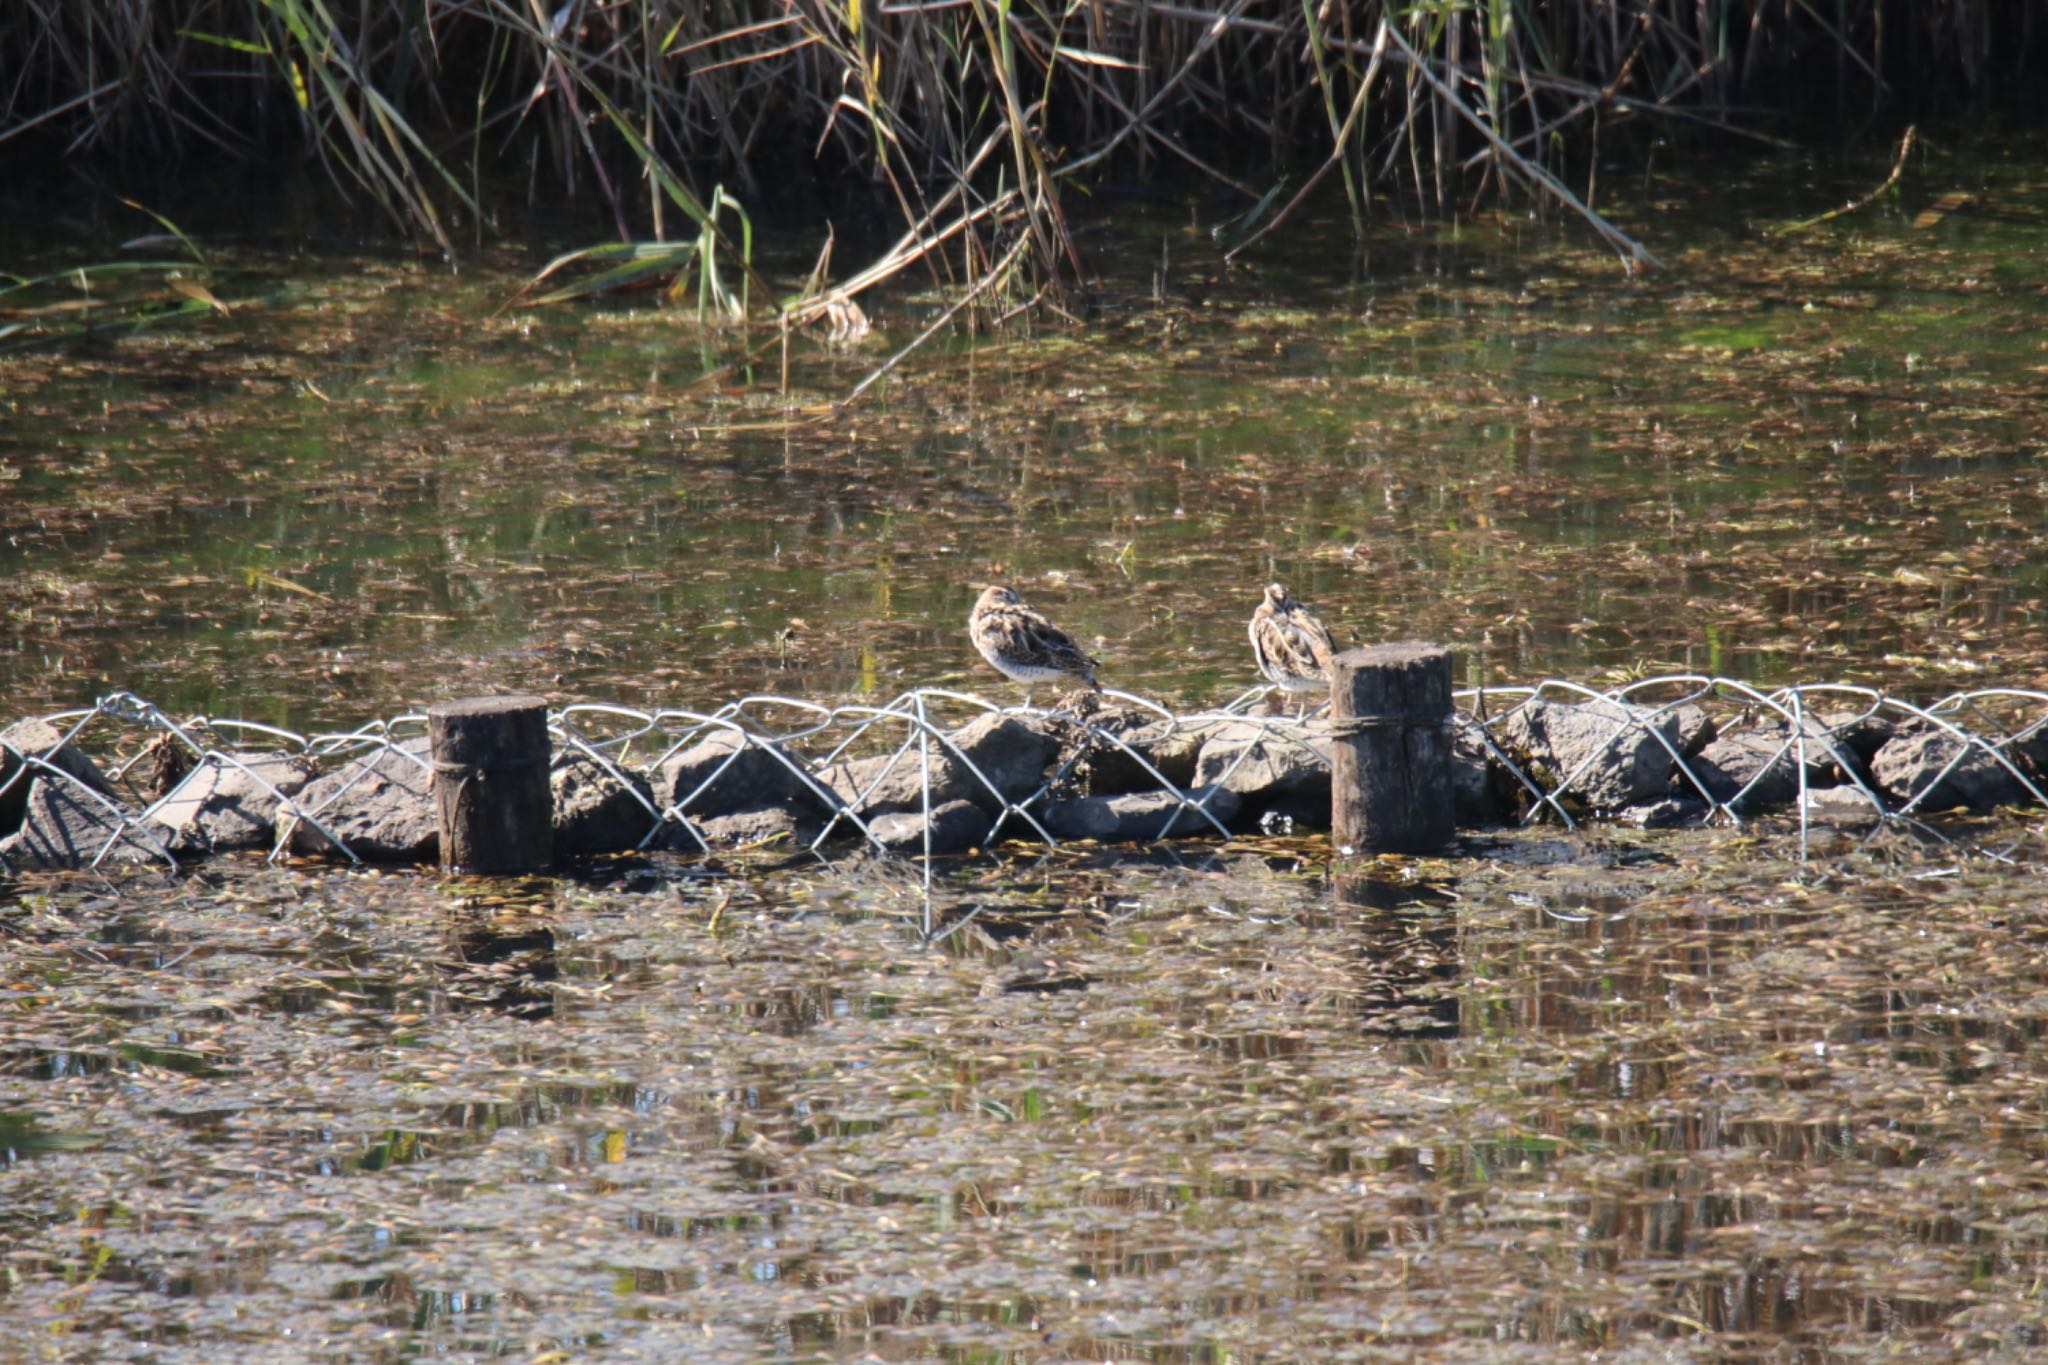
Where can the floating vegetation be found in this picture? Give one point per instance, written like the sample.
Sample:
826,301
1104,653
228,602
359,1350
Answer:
1788,459
1555,1086
1560,1091
108,299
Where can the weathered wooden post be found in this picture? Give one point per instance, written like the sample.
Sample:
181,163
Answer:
1405,933
1390,757
491,757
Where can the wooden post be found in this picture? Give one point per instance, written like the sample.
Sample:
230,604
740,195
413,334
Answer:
1390,756
491,757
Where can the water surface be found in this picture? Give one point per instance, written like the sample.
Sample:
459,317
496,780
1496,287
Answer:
1655,1094
1803,457
1636,1094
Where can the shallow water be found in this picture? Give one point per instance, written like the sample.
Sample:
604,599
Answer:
1787,458
1651,1095
1681,1096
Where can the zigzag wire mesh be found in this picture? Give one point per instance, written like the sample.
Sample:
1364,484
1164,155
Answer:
805,736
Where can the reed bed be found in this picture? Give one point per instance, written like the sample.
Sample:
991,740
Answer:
971,122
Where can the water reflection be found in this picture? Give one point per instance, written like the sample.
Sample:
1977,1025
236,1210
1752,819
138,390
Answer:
1408,953
507,969
1549,1093
1729,468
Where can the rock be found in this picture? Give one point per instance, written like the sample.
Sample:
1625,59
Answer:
1862,733
224,805
1484,791
1286,774
742,773
1846,807
14,782
381,804
1136,816
1695,728
63,826
594,812
1625,763
39,739
955,825
736,829
1911,763
1013,752
1171,749
1666,812
2029,753
1261,762
1763,767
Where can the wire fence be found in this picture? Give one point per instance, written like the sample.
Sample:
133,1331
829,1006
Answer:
127,765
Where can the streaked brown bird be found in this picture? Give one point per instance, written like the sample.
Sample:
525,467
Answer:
1291,644
1021,644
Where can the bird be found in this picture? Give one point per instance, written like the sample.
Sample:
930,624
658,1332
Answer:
1023,645
1291,644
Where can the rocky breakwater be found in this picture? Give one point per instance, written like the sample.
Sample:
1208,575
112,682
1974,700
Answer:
1131,776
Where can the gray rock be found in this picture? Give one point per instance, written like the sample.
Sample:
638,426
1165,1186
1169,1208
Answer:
381,804
1484,791
1862,733
1695,728
2029,753
14,781
594,812
1625,763
1261,762
1911,763
955,825
1666,812
1109,770
1287,775
39,739
736,829
1843,746
1136,816
65,827
1763,767
742,774
1013,752
221,806
1846,807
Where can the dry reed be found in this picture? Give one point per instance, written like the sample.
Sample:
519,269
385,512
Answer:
968,120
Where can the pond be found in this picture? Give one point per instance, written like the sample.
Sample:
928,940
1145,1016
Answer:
1643,1093
1792,457
1667,1093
